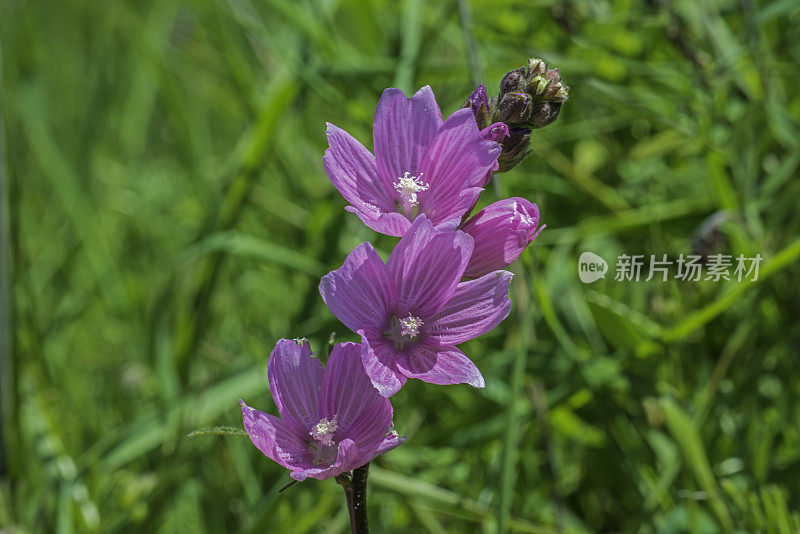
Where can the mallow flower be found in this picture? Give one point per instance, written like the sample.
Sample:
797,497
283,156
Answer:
413,311
481,108
332,421
501,232
422,165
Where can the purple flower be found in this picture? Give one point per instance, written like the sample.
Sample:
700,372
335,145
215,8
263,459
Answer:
478,102
501,232
421,164
332,421
411,312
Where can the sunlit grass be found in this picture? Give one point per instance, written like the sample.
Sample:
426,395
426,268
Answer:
166,218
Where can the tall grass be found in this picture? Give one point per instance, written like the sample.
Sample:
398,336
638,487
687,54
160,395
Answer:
166,218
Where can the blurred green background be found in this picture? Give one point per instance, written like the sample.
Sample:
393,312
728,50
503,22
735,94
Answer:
166,219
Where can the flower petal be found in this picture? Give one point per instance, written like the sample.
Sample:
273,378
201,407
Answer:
295,377
351,168
388,443
457,158
461,206
347,459
426,266
369,429
379,359
477,306
494,132
394,224
443,365
391,441
501,231
362,414
360,293
402,130
276,440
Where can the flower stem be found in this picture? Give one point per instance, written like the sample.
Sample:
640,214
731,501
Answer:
355,489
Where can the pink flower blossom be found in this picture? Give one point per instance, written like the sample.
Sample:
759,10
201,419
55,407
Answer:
501,232
412,312
332,421
422,165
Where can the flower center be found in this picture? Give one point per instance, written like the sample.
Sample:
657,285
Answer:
409,186
323,431
410,326
403,332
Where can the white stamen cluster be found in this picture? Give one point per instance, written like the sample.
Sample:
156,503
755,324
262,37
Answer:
323,431
409,186
410,326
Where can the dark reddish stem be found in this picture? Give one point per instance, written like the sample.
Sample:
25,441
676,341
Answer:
355,489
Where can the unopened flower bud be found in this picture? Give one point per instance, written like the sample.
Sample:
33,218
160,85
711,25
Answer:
501,232
553,75
515,148
556,90
544,113
514,108
478,102
513,81
536,66
538,85
496,132
530,97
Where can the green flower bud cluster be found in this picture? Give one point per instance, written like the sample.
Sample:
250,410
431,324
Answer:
530,97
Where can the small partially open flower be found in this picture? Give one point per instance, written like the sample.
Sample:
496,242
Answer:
501,232
332,421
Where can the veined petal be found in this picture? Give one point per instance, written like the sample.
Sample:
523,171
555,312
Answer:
501,231
457,158
379,359
443,365
390,442
367,454
477,306
362,414
402,130
351,168
394,224
426,266
452,214
276,440
494,132
347,459
294,381
360,293
369,428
